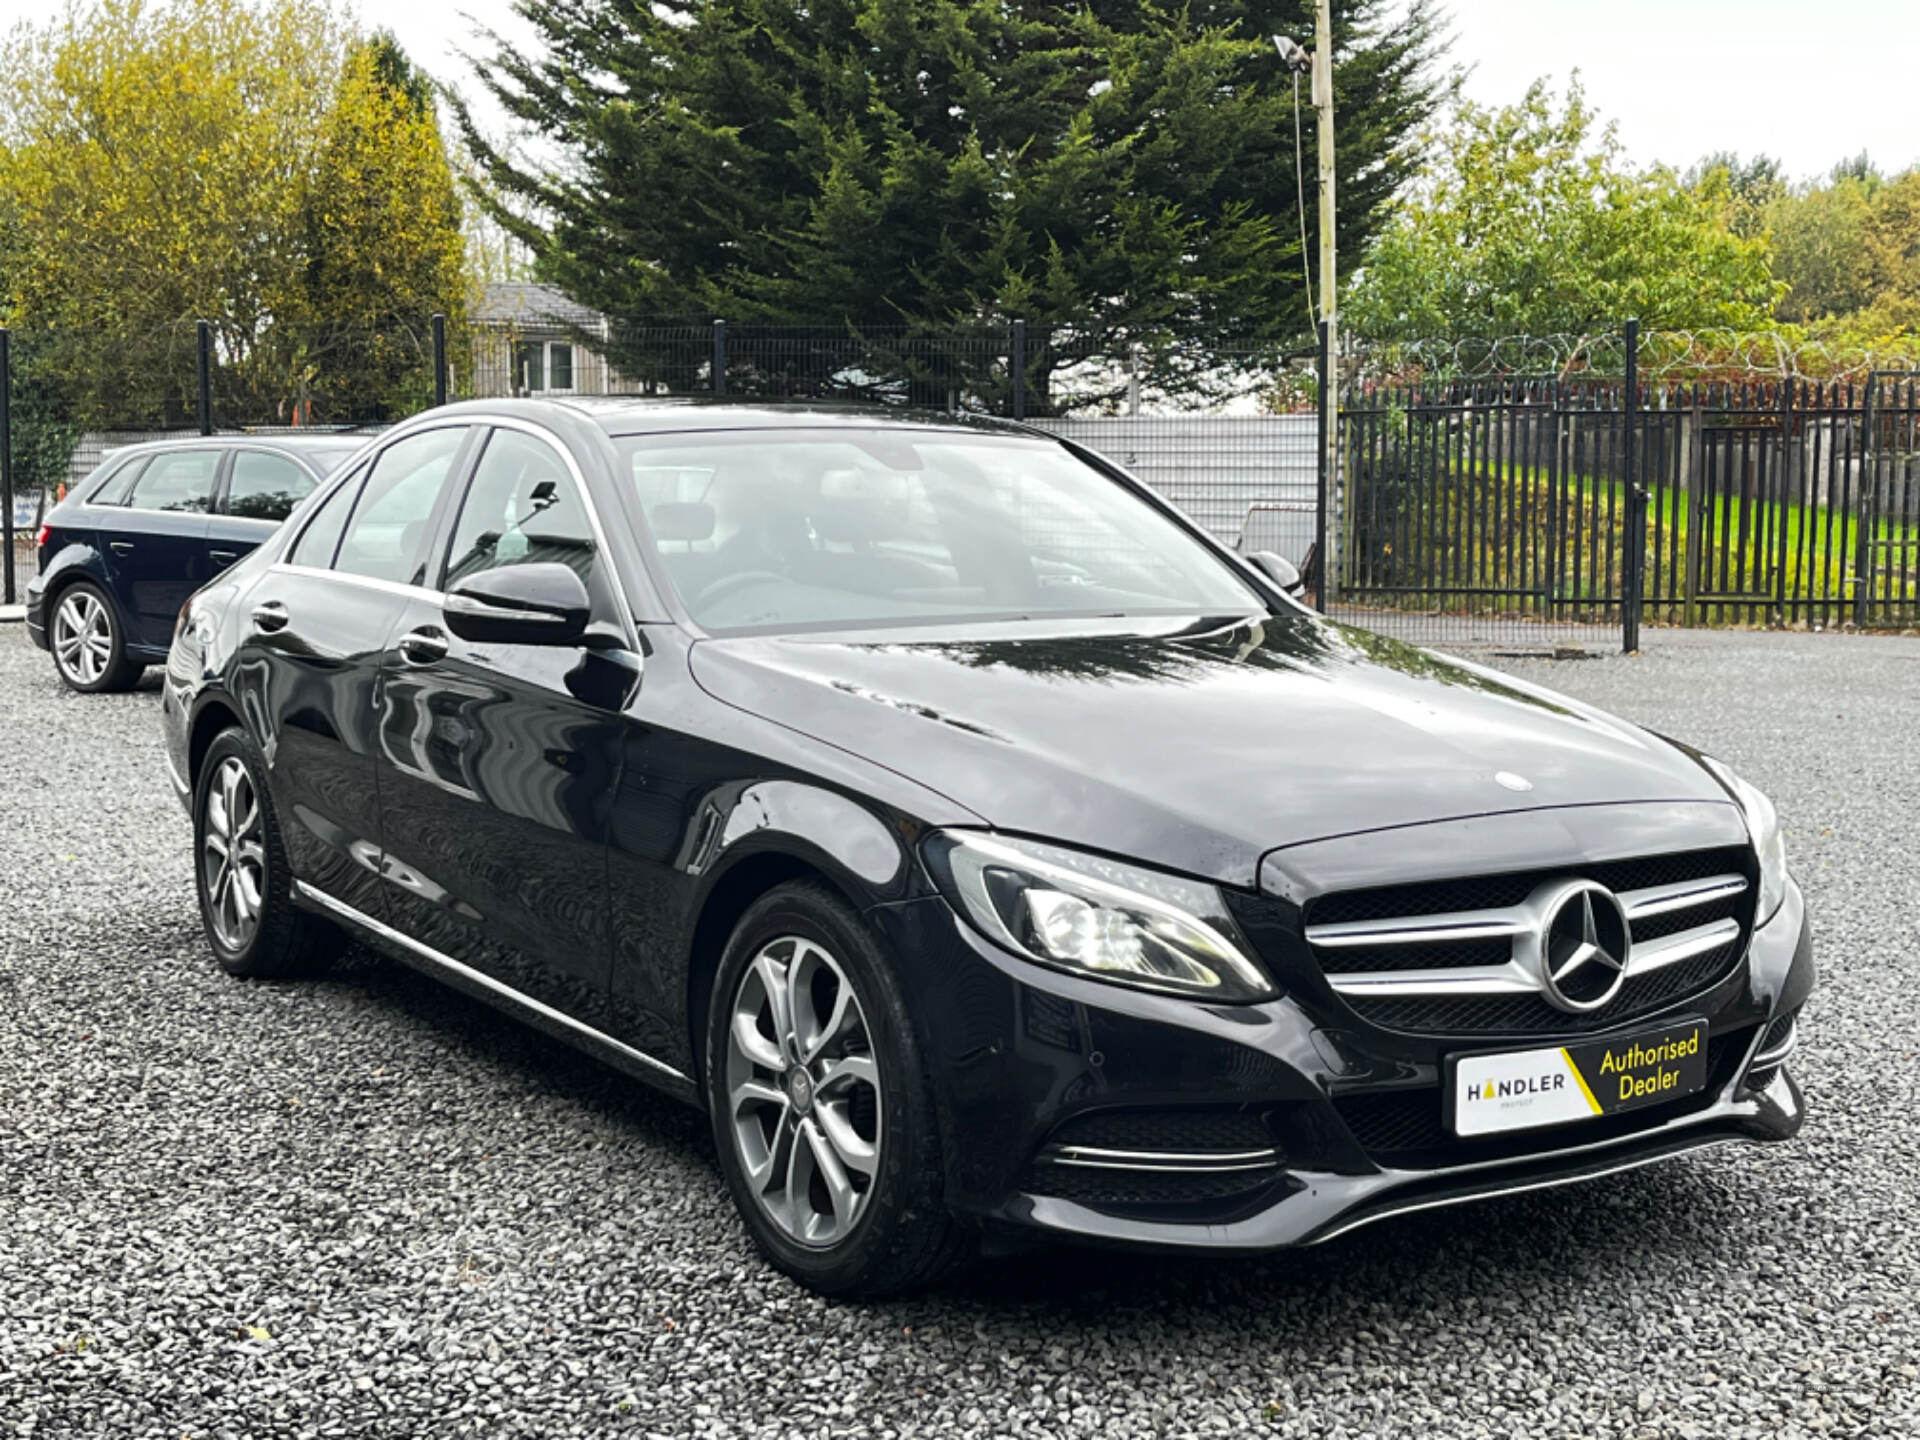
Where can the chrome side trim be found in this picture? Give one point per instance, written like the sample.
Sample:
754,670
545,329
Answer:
364,582
1197,1162
486,982
1551,1182
1664,899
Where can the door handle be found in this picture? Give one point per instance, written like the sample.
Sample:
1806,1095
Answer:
223,558
423,646
270,615
120,547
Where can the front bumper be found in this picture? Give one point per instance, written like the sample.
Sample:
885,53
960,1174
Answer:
1036,1071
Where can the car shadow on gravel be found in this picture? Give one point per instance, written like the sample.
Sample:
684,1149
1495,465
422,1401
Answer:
1578,1235
543,1064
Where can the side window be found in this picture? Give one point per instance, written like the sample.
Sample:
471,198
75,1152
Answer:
321,538
522,508
265,487
387,537
180,480
116,478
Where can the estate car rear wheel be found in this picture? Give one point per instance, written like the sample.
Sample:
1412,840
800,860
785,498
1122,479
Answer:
822,1112
241,874
88,644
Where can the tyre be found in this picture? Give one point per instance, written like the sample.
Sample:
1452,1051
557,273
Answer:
240,871
822,1111
88,642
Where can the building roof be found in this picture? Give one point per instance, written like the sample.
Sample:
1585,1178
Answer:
529,304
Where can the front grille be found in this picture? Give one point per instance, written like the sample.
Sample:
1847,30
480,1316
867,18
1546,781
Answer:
1450,957
1531,1015
1406,1129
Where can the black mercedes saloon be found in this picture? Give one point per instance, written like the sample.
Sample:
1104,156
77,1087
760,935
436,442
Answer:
990,853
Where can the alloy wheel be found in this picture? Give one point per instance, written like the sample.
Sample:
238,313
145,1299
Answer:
803,1092
233,856
83,637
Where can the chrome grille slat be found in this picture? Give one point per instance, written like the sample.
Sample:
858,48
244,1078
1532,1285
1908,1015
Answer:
1687,895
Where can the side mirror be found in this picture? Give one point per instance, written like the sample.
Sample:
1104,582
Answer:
1277,568
520,605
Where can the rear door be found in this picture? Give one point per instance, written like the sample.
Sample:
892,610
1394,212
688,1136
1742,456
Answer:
496,778
156,541
309,666
257,493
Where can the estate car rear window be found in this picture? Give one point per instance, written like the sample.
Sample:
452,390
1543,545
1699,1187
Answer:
776,529
178,480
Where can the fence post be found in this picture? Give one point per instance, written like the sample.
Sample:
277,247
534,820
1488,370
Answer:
719,357
1135,352
1693,504
1323,479
439,359
1633,573
203,372
1866,505
6,456
1019,358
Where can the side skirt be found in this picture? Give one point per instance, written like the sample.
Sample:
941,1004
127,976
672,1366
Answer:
483,987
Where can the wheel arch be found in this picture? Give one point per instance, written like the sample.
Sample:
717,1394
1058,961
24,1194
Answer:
212,715
731,893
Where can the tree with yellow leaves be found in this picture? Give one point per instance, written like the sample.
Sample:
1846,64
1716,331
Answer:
252,164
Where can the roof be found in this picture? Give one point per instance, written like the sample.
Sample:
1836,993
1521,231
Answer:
528,304
637,415
296,441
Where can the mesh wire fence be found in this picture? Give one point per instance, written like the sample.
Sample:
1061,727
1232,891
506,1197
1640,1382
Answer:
1500,509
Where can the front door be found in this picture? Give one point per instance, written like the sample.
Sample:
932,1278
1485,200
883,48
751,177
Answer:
495,777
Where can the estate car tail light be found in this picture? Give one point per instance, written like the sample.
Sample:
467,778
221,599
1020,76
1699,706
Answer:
46,534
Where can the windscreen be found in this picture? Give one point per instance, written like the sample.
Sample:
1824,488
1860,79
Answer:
772,530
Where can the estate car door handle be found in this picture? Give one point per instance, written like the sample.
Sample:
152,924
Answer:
423,646
270,615
120,547
223,558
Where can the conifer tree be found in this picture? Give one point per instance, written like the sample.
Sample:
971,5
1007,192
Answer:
1113,173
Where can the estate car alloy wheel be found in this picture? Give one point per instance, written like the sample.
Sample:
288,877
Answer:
241,874
85,639
821,1107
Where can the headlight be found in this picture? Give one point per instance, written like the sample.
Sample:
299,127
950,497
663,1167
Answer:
1763,824
1097,917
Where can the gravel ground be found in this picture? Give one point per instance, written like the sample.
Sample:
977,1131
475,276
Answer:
368,1207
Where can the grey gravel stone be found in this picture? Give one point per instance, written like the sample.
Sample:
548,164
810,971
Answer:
368,1207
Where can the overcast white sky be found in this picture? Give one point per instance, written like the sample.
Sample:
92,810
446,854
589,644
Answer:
1807,82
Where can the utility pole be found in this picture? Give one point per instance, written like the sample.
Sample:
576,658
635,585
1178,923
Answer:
1329,289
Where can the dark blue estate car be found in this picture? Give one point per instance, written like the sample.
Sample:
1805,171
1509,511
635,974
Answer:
121,554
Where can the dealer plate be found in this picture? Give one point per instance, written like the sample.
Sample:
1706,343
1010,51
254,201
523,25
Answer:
1565,1084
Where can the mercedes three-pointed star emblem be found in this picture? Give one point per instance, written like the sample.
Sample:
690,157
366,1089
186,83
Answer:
1584,944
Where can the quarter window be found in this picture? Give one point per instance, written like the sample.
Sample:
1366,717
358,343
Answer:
321,538
387,537
522,508
180,480
265,487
